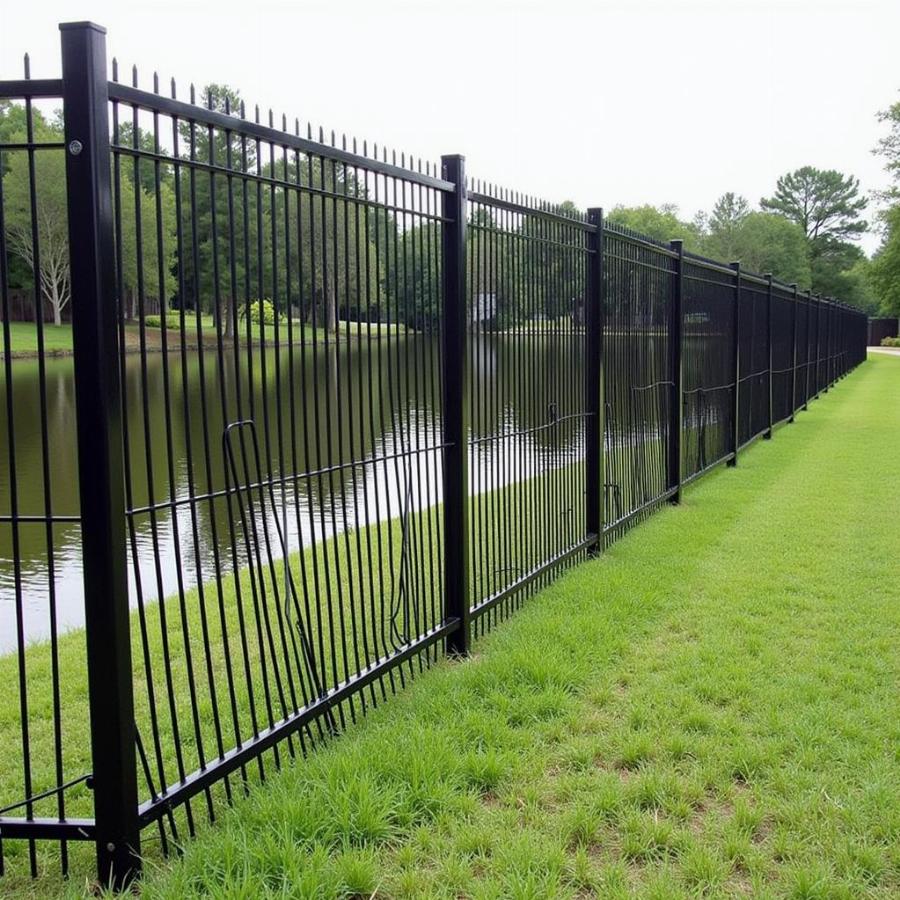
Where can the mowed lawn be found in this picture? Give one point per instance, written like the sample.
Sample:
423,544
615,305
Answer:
712,708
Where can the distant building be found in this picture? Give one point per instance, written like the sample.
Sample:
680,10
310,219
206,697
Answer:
483,309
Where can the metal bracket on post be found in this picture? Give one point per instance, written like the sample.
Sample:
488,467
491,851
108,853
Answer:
595,428
736,399
676,370
794,355
100,451
768,433
454,410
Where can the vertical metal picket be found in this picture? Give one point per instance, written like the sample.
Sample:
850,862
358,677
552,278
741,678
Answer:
100,451
594,394
676,374
454,411
736,401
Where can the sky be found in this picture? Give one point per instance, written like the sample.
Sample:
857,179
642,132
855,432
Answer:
601,103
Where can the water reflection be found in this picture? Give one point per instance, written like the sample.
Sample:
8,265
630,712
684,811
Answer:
353,429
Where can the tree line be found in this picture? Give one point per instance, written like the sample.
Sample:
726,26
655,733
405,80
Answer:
210,221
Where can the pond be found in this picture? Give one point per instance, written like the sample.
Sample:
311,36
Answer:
362,416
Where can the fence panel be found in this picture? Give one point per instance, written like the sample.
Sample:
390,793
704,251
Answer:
782,332
640,277
527,276
708,365
46,772
293,413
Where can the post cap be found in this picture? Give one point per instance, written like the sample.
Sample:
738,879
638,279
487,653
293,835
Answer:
78,26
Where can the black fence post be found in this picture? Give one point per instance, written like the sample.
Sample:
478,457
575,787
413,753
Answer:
827,374
454,412
794,355
595,427
768,433
736,399
676,373
100,451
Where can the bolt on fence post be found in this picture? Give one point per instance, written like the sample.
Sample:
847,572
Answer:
100,451
736,404
454,411
595,427
768,276
676,373
794,355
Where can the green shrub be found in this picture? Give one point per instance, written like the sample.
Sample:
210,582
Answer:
260,311
172,321
890,342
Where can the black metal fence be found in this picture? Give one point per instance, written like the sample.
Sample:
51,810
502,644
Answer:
882,328
335,412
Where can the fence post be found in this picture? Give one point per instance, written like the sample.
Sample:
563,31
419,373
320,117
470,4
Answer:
676,373
827,378
595,427
768,433
100,451
455,415
794,355
736,404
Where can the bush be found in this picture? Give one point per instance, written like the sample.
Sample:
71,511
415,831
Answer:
890,342
260,311
172,321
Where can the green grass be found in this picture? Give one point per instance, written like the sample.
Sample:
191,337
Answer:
710,709
23,338
58,338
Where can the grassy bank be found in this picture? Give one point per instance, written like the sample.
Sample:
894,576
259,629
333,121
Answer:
709,708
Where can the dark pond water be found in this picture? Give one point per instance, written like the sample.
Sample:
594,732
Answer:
354,402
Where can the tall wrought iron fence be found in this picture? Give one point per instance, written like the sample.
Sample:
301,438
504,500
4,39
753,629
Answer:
331,412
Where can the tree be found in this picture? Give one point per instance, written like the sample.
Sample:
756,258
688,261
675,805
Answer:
889,147
50,223
660,223
136,211
764,242
884,270
722,227
823,202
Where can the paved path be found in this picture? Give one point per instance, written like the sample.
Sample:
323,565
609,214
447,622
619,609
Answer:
891,351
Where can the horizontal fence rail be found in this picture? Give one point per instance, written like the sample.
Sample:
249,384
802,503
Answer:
333,413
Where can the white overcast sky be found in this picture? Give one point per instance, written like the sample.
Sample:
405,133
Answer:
602,103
